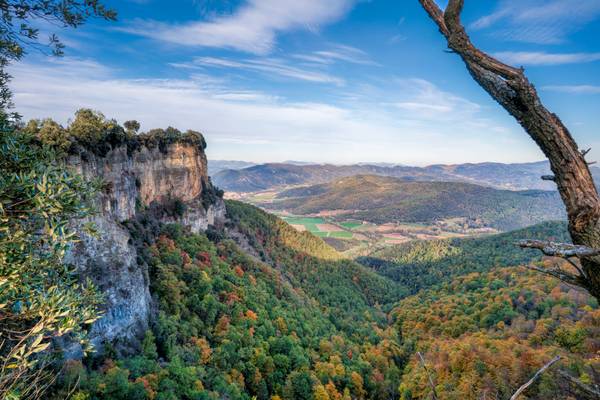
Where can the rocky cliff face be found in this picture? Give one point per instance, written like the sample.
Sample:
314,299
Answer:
134,178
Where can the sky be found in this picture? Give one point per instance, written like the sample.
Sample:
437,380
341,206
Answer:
337,81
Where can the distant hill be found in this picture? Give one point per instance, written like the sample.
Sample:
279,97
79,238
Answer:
216,166
501,176
422,264
381,199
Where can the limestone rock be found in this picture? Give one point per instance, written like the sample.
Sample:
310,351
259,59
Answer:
132,179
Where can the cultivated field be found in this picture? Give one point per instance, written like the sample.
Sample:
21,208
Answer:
355,237
319,227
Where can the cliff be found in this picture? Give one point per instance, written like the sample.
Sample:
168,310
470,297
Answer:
137,176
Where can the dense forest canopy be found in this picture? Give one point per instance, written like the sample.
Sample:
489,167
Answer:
290,320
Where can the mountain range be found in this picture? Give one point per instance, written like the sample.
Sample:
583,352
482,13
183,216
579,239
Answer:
262,177
216,166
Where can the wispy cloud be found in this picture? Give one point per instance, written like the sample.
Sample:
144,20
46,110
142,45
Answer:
574,89
542,58
424,100
268,66
336,54
539,21
394,125
252,28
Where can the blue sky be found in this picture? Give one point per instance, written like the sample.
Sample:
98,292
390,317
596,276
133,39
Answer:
337,81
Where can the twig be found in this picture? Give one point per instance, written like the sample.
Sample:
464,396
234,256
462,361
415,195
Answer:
535,377
577,267
587,389
556,273
435,397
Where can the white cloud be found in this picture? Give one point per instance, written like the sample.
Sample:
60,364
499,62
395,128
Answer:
425,101
268,66
252,28
539,21
313,68
335,54
574,89
245,124
542,58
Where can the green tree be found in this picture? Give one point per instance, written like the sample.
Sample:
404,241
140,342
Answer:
132,126
40,297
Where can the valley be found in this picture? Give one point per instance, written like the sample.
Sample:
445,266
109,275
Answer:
361,213
324,291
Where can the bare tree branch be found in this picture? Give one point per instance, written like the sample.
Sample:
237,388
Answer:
563,250
535,377
592,392
559,274
585,152
435,396
512,90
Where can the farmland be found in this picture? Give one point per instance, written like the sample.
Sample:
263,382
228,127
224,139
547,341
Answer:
355,236
319,227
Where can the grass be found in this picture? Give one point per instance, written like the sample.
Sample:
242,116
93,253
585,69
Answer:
337,235
304,220
309,223
350,225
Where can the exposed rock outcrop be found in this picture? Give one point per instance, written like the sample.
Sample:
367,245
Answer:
134,178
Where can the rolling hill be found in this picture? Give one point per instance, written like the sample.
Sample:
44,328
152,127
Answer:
422,264
381,200
502,176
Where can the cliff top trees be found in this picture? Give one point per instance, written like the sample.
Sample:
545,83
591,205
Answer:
510,88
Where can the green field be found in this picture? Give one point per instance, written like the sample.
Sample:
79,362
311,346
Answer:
310,223
351,225
337,235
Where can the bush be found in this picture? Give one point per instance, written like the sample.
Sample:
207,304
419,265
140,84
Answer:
40,297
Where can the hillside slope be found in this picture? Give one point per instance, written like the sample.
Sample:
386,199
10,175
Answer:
278,316
309,263
380,199
216,166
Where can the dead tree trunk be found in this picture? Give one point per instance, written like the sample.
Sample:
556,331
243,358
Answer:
510,87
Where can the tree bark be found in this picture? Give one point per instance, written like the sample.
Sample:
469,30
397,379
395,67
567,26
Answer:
510,88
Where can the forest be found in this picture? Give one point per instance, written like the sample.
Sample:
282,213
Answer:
292,321
420,264
231,325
